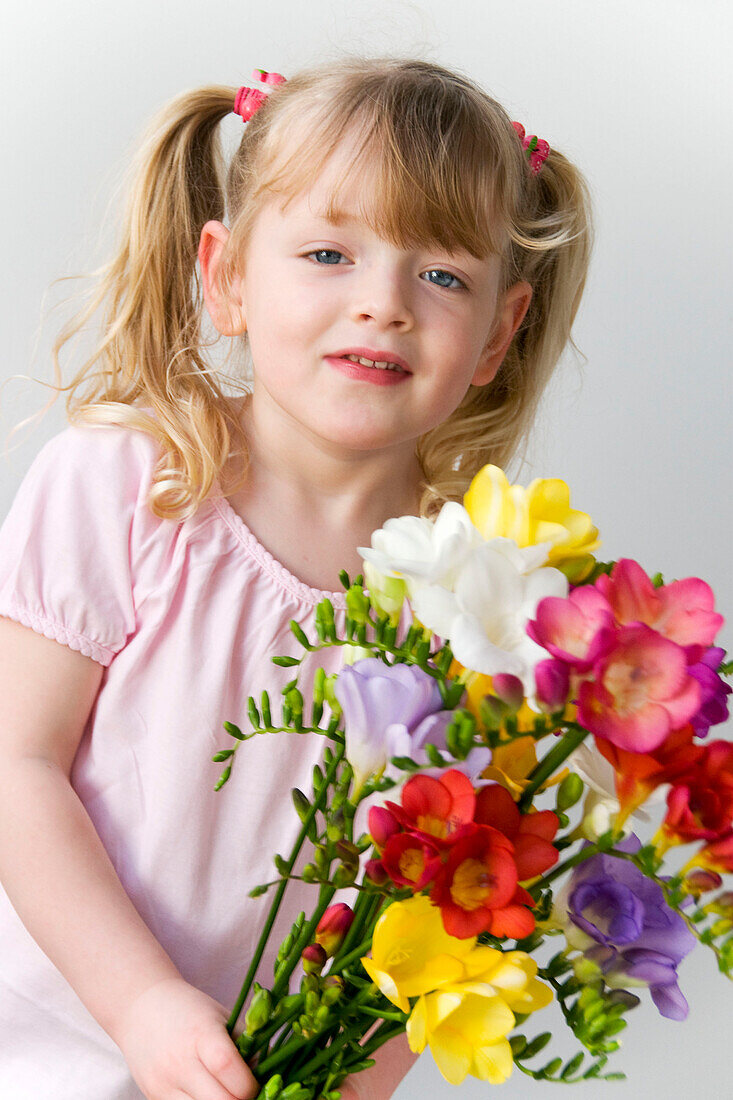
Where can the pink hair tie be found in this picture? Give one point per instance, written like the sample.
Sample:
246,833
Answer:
249,100
535,148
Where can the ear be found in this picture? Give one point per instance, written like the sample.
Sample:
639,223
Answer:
510,311
225,308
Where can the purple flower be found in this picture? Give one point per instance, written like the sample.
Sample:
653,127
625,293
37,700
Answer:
384,707
713,699
619,919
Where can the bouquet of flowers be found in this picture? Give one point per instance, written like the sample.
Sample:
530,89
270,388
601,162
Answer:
506,707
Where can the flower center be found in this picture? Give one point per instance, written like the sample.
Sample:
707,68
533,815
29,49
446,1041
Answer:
412,864
471,884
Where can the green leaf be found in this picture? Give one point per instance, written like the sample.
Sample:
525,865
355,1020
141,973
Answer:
300,634
286,662
234,731
570,1067
223,755
536,1045
265,705
405,764
253,713
223,778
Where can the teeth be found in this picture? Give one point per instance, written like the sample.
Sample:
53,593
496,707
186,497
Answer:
383,365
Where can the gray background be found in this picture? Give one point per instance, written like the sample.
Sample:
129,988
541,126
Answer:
639,94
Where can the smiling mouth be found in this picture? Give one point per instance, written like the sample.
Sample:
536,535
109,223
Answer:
371,363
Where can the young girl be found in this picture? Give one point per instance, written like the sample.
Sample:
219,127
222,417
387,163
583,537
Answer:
405,275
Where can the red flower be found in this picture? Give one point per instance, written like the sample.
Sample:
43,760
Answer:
531,834
477,888
410,860
700,804
437,810
639,773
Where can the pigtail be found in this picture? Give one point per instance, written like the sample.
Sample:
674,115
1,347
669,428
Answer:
151,350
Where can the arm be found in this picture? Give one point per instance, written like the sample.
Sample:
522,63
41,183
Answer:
392,1063
92,932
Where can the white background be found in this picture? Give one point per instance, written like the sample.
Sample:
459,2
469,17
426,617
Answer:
639,94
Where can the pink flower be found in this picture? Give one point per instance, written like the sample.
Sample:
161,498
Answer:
682,611
641,691
553,685
575,629
333,926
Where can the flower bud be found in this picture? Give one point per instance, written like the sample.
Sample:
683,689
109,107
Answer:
333,926
699,882
493,711
314,958
357,605
353,653
382,825
375,872
552,679
387,594
569,791
509,689
273,1088
723,904
260,1010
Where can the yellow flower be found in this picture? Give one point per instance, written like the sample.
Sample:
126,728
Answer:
539,513
465,1024
466,992
412,953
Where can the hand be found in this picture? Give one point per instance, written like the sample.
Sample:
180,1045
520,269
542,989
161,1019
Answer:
175,1041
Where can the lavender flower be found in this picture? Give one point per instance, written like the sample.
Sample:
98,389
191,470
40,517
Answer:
620,921
384,706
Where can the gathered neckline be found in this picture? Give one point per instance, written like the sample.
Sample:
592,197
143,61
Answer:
265,559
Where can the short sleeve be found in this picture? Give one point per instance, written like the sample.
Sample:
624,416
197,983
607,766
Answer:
65,566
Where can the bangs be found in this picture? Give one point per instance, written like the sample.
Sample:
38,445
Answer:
428,167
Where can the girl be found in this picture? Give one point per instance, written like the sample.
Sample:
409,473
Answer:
405,277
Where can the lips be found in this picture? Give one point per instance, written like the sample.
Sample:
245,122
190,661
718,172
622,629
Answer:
376,355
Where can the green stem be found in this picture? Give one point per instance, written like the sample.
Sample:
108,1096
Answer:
274,907
346,960
550,763
306,935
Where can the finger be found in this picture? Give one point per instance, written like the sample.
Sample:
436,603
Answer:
202,1085
224,1062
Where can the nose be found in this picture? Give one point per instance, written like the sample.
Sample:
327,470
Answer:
382,297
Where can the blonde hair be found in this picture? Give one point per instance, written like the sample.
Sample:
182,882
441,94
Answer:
451,172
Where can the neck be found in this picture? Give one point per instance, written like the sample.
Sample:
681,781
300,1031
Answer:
341,485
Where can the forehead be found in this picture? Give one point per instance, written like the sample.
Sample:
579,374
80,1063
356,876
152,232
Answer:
357,180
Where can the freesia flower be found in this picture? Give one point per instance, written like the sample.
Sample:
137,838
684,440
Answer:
641,691
466,993
495,593
412,953
637,774
477,888
421,551
382,704
541,513
620,921
682,611
531,834
576,630
465,1024
700,803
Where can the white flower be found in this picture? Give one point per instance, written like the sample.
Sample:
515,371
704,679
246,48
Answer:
421,551
484,617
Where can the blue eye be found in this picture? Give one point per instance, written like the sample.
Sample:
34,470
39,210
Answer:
325,252
438,271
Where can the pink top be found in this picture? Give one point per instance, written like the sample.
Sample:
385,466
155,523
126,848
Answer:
184,617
